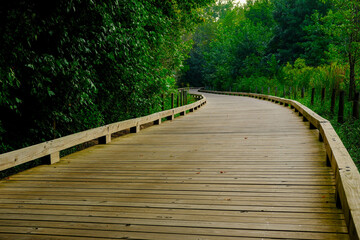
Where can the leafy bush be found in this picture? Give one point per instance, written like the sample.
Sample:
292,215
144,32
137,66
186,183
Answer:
67,66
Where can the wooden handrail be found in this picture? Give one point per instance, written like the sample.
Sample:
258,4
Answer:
52,148
189,88
347,175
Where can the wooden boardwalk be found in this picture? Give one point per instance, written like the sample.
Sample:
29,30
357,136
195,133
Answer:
239,168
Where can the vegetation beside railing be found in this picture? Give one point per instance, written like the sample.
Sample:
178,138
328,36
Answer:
67,66
347,176
50,151
326,102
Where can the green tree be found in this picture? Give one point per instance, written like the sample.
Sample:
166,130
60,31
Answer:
292,17
343,24
260,12
317,42
194,73
67,66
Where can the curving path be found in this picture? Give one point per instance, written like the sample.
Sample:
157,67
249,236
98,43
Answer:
239,168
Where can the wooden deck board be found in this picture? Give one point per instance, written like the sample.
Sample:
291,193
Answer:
240,168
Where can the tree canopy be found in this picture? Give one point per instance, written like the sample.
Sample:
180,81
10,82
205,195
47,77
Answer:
261,43
67,66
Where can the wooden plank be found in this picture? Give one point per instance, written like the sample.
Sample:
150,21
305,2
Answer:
176,233
131,192
221,202
99,210
145,216
117,224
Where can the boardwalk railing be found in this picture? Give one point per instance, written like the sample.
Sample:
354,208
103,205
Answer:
347,176
51,149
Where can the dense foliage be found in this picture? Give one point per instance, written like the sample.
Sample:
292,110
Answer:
258,44
282,44
67,66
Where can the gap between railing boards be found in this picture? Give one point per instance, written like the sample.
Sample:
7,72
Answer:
51,149
347,176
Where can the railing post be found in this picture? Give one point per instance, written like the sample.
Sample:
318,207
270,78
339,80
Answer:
181,97
312,96
178,99
158,121
356,106
341,107
104,139
333,99
162,102
290,92
172,100
52,158
302,92
135,129
284,91
322,95
185,97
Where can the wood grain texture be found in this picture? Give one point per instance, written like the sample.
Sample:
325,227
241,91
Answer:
347,177
240,168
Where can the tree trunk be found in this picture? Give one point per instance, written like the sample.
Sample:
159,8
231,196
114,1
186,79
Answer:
352,87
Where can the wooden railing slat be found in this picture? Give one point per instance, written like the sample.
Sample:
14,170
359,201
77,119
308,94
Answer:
53,147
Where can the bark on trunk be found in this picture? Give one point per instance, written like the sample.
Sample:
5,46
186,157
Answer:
352,87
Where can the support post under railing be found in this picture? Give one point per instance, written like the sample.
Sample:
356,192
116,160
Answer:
302,92
53,158
341,107
105,139
356,106
312,96
322,95
178,100
162,102
284,91
181,97
333,99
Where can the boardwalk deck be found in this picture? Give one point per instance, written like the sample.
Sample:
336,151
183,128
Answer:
240,168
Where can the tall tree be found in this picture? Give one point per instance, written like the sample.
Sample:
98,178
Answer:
194,73
344,25
292,16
